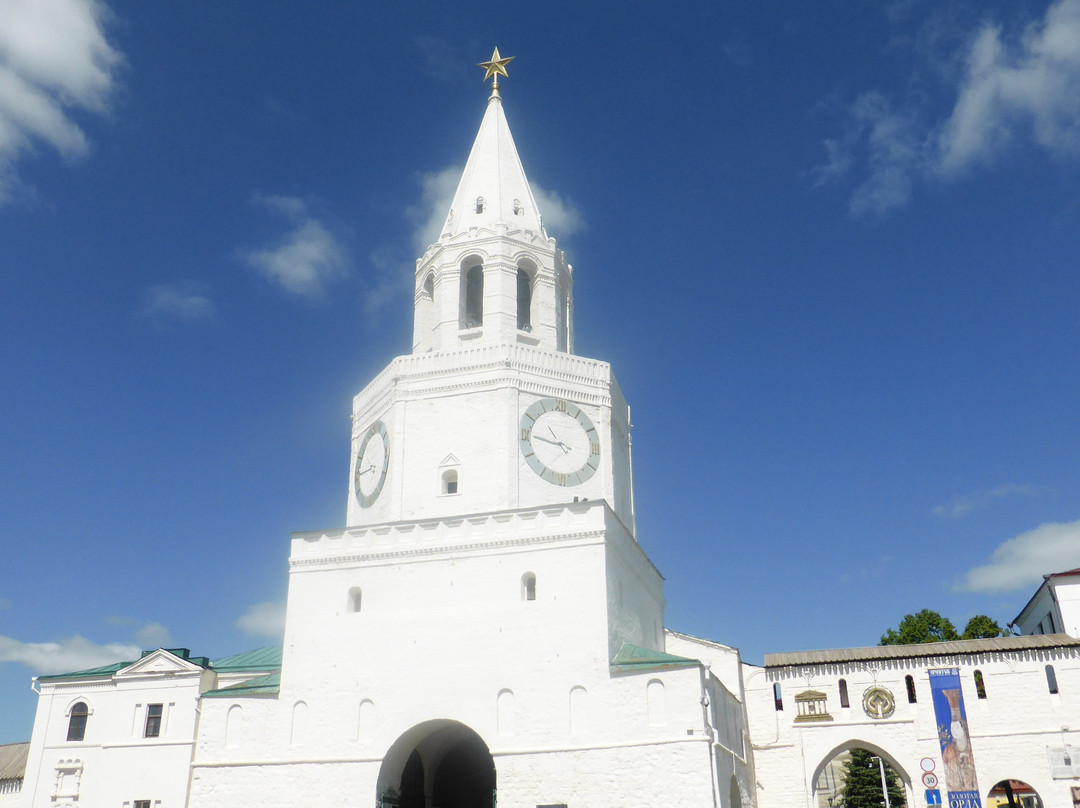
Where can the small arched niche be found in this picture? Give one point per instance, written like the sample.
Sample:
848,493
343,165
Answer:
528,586
355,600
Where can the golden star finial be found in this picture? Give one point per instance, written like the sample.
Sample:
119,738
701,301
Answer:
495,68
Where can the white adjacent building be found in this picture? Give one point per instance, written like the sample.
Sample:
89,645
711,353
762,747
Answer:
1055,606
485,627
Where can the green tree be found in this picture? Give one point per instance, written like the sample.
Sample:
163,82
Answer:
926,626
862,783
982,627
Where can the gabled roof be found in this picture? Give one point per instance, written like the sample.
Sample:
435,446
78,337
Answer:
634,658
1047,580
262,686
493,172
1064,574
162,661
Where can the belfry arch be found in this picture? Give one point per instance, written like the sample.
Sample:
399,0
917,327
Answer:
437,764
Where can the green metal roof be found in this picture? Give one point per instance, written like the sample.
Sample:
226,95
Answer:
261,659
262,686
104,670
633,658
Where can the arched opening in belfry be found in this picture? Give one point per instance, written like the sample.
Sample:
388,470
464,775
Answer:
472,312
524,300
860,770
443,764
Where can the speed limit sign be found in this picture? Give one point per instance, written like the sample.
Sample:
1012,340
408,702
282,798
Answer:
929,779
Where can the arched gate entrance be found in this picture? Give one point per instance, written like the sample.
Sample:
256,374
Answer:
437,764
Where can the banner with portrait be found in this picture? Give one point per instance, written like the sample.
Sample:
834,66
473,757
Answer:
952,730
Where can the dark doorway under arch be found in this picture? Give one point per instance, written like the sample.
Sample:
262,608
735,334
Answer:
438,764
465,777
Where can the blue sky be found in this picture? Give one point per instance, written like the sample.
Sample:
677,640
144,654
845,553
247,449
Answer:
831,250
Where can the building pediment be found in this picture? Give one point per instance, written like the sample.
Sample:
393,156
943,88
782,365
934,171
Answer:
158,662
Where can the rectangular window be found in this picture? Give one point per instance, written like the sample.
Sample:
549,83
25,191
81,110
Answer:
141,804
153,724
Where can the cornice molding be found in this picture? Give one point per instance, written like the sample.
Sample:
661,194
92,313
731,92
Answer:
302,564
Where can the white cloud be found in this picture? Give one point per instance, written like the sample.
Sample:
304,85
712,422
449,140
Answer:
561,217
263,620
177,301
892,147
1007,90
966,503
154,635
390,280
1022,561
1011,90
429,212
306,258
66,656
54,59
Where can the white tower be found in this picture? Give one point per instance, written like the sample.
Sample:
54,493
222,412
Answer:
491,410
486,619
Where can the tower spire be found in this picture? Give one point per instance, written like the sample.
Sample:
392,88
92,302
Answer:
493,276
493,188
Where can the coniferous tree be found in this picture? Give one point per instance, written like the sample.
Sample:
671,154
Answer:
862,783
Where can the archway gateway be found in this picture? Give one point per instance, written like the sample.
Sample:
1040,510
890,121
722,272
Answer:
856,769
1013,794
437,764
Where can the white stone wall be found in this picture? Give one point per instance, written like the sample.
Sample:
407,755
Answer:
622,750
1011,729
444,634
1067,591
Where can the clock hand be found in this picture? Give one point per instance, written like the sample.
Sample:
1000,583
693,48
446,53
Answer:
561,445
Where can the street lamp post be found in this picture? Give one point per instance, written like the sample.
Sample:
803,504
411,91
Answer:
884,783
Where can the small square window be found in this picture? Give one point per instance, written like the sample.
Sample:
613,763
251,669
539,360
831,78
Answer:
153,722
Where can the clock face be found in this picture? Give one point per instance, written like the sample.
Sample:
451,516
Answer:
559,442
372,461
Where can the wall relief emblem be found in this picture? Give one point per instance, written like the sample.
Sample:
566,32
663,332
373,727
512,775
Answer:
878,702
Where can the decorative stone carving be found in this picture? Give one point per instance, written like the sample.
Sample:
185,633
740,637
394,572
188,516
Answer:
878,702
811,705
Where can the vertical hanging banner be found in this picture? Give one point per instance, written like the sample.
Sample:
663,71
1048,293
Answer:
952,729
